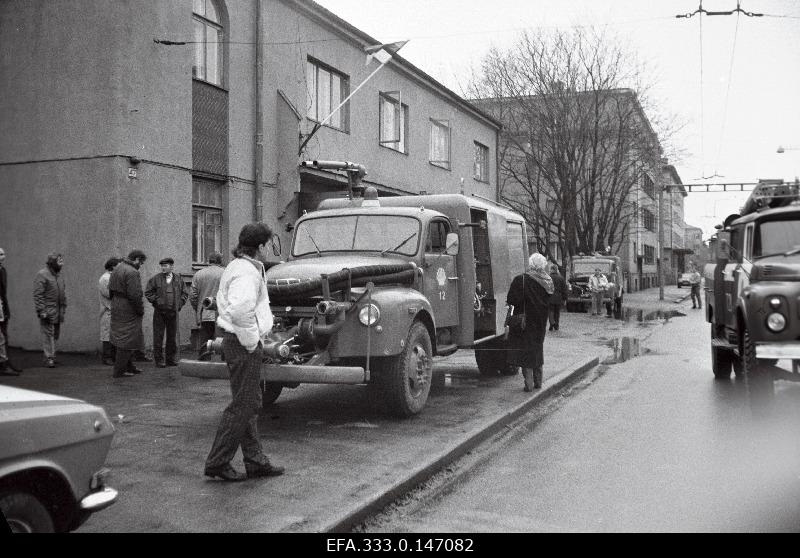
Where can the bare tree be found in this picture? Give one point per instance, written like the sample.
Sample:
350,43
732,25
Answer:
576,138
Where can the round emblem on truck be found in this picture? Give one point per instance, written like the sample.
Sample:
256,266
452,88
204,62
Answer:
441,277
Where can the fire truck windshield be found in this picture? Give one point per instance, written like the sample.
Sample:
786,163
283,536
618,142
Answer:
348,233
776,238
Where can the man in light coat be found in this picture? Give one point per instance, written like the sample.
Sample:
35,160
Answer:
245,319
205,284
597,286
109,352
50,301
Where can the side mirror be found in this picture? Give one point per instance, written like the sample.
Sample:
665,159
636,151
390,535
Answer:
723,249
451,244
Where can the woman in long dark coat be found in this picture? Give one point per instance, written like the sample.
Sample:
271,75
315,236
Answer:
127,309
529,294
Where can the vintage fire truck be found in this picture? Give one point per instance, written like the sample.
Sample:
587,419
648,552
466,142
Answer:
582,267
753,290
373,289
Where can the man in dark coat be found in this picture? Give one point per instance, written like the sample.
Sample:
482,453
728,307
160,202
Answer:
127,309
529,294
558,298
6,367
167,293
50,301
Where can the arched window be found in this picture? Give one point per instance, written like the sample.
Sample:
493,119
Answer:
208,37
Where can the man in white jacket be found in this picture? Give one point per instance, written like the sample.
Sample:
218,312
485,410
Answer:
245,319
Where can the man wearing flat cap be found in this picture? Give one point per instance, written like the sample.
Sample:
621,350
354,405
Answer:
167,293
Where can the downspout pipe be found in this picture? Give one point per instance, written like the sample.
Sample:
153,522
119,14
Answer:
258,151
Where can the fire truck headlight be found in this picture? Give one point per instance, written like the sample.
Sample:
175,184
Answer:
369,315
776,322
775,302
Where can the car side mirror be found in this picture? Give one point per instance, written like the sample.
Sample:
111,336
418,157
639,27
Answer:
451,244
724,250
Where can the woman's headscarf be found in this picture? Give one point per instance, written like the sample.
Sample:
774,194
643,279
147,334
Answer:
537,269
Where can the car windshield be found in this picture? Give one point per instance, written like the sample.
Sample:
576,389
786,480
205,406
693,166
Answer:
348,233
776,237
587,268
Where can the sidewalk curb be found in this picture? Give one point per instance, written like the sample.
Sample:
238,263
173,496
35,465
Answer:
371,504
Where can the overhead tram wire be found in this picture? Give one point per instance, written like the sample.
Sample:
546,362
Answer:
727,94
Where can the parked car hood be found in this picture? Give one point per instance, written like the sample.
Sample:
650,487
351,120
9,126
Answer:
311,268
32,421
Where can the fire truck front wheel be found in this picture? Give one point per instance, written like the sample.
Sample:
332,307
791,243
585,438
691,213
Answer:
758,377
269,392
405,380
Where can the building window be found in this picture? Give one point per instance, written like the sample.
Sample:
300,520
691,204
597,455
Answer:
648,186
648,220
393,121
206,219
326,88
649,254
208,37
481,171
440,143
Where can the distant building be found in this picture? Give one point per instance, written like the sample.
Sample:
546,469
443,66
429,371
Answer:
672,214
166,126
694,242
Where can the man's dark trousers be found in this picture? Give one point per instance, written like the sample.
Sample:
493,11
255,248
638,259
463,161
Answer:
123,361
555,315
165,321
204,334
238,425
696,295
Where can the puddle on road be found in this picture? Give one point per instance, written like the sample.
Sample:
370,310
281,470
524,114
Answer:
625,348
640,315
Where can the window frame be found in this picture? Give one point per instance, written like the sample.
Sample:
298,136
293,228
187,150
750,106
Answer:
218,26
484,149
649,254
439,124
385,98
648,186
202,207
344,91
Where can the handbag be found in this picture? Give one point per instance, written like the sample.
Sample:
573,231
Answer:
516,323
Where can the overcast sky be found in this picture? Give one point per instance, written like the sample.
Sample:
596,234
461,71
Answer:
748,105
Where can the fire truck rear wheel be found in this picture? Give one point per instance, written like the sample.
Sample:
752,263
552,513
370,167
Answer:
760,386
405,380
269,392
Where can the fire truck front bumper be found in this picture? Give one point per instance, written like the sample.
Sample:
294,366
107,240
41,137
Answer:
790,350
282,373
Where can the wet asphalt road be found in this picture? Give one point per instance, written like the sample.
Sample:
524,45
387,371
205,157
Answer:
653,444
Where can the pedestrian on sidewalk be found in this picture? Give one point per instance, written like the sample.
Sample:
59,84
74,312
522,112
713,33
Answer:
127,310
167,293
109,353
205,285
597,286
7,368
50,301
558,298
529,294
245,318
694,282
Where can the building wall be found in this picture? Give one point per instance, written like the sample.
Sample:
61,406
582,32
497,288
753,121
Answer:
86,95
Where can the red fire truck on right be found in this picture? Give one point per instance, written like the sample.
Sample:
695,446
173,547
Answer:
753,290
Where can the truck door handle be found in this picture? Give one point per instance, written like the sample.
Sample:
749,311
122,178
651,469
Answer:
452,278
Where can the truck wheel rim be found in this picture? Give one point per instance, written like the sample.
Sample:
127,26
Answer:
18,525
419,370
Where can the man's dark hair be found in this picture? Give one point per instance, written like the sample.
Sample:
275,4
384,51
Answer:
111,262
251,237
215,258
137,254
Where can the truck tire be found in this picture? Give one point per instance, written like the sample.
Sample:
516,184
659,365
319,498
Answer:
269,392
760,386
24,513
721,360
405,380
491,358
